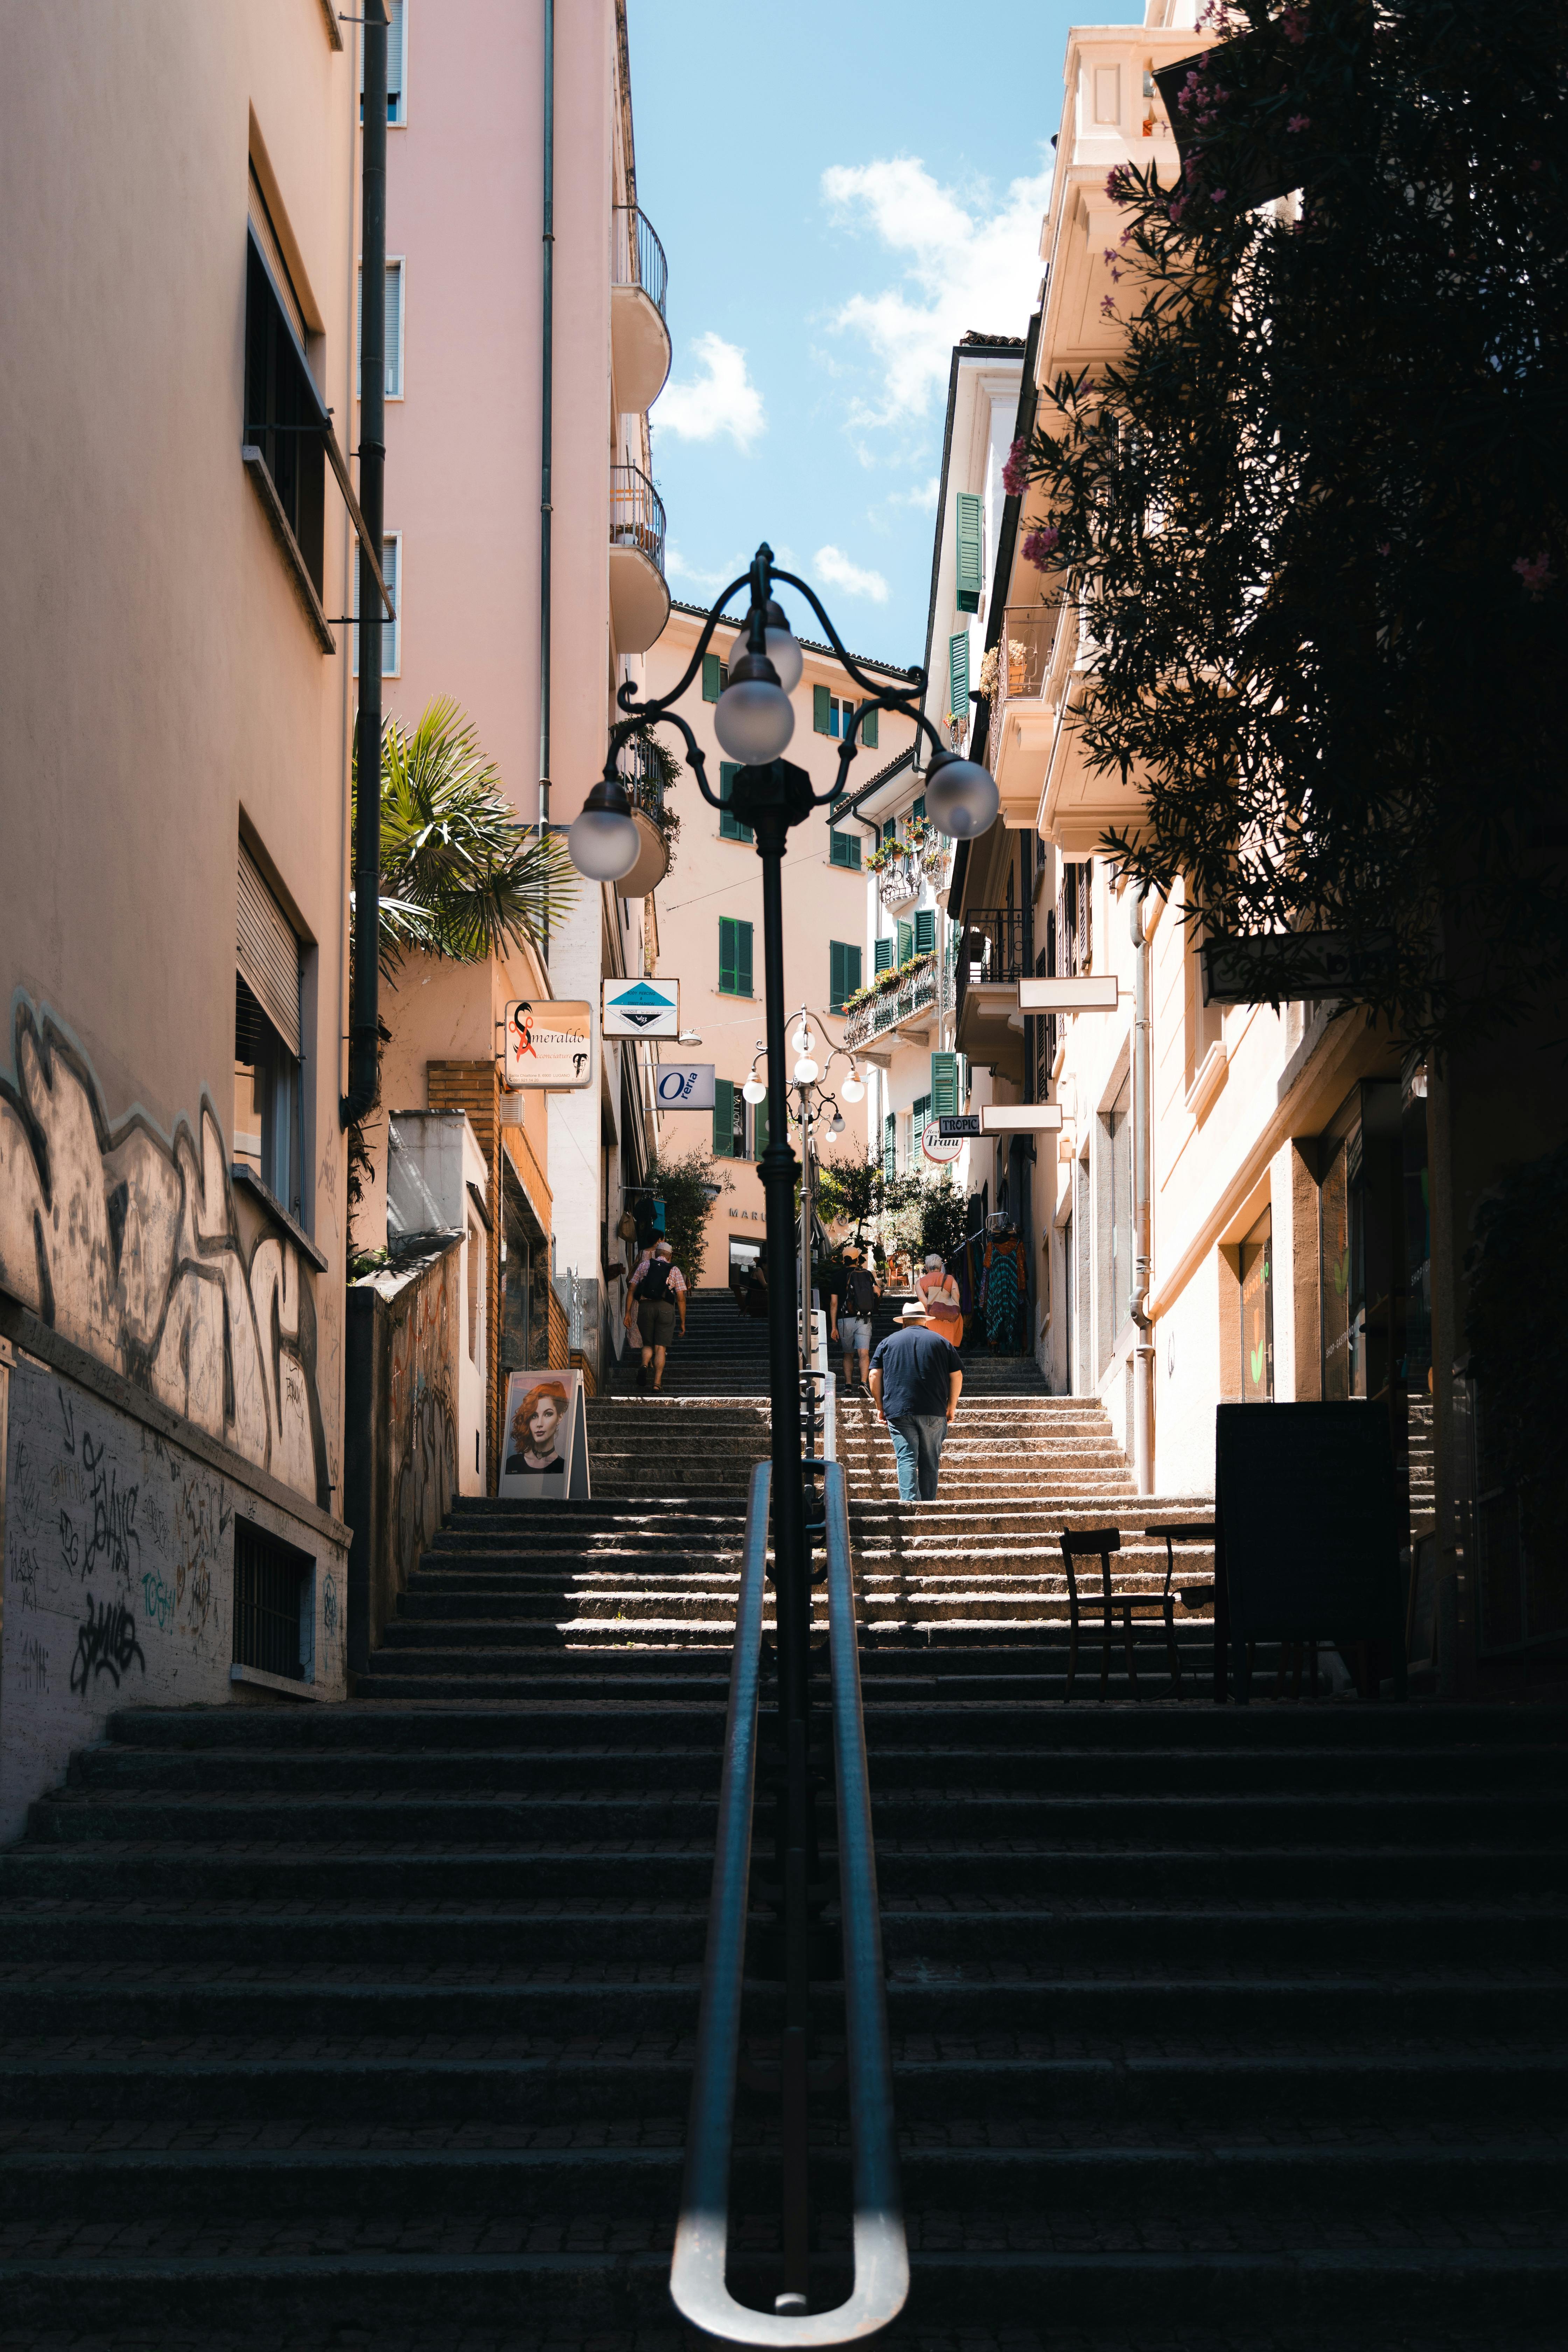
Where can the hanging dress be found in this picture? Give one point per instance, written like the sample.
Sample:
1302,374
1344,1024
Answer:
1004,1290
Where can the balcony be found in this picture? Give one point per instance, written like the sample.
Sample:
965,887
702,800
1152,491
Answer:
639,599
639,337
900,999
992,961
644,780
1023,714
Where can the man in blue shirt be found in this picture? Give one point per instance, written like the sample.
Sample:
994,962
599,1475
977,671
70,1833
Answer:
916,1376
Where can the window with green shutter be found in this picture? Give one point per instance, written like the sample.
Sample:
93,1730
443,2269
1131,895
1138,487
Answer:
919,810
843,973
884,955
906,941
724,1094
968,539
734,956
889,1145
958,676
925,930
868,730
759,1128
844,849
920,1117
730,826
944,1085
715,678
821,710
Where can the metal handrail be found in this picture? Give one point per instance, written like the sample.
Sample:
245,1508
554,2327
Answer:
697,2283
637,513
637,256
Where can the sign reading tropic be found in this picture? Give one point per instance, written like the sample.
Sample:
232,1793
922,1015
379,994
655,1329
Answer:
642,1008
549,1044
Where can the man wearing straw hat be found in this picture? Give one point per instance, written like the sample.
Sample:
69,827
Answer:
916,1376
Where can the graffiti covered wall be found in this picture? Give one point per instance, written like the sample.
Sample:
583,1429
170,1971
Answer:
130,1247
119,1581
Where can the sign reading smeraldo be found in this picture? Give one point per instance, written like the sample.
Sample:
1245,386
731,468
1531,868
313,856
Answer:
548,1046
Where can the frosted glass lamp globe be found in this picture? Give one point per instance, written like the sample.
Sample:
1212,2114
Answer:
604,843
754,1089
961,798
783,651
754,718
804,1070
853,1089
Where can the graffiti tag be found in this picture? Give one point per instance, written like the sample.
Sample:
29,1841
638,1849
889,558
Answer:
70,1543
158,1600
105,1643
35,1665
113,1517
329,1605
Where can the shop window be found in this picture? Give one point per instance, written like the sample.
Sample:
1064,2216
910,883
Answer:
1257,1313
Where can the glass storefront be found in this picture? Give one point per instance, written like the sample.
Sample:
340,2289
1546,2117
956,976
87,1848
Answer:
524,1281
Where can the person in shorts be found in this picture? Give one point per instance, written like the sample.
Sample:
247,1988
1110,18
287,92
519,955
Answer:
916,1380
852,1307
658,1298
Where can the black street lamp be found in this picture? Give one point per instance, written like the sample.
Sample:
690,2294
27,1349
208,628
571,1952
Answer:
754,720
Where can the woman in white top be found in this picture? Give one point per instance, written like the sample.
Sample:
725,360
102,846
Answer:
937,1291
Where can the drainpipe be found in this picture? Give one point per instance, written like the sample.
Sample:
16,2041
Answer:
365,1021
547,425
1143,1347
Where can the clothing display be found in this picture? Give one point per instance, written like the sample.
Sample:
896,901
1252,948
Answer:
938,1293
1004,1289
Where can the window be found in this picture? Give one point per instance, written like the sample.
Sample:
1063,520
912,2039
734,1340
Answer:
396,64
834,714
274,1595
844,962
730,826
919,1117
918,810
883,956
715,678
1118,1136
729,1120
760,1129
1257,1313
1204,1022
967,534
391,631
734,956
889,1145
925,930
906,938
843,848
394,330
958,676
284,418
945,1099
267,1095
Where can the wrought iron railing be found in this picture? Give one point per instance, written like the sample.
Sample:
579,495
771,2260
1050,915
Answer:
1023,656
697,2279
637,762
899,997
991,947
637,257
637,513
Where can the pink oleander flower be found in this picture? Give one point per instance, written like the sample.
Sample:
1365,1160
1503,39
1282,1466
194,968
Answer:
1037,545
1382,547
1126,235
1293,24
1174,210
1108,307
1015,472
1299,122
1116,183
1536,572
1218,197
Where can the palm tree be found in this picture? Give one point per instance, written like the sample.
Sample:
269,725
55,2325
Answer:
462,876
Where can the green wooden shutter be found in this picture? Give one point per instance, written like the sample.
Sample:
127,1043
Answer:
968,535
918,808
920,1117
844,968
712,683
742,958
884,955
958,675
723,1118
730,826
925,930
868,730
891,1145
727,955
760,1129
944,1085
821,710
906,941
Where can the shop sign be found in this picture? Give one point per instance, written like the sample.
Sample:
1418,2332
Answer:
642,1008
684,1086
938,1146
959,1128
548,1045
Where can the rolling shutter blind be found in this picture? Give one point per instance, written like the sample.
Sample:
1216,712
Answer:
267,952
723,1119
821,710
925,930
712,684
868,730
396,59
884,955
394,329
944,1085
968,537
958,676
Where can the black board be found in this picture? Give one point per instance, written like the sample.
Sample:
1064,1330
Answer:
1309,1530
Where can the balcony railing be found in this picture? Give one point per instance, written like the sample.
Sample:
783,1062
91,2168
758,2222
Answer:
898,996
990,948
637,257
637,513
642,775
1022,654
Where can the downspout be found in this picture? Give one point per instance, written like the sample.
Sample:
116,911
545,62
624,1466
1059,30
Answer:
1144,1349
547,422
364,1016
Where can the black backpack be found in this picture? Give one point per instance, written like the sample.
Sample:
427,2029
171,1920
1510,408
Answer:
656,1282
859,1291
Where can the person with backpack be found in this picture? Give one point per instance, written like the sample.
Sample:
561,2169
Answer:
850,1309
658,1296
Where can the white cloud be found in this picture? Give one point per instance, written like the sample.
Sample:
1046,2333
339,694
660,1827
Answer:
962,266
678,568
722,399
839,572
923,498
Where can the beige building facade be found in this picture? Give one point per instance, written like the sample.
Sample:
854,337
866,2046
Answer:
180,191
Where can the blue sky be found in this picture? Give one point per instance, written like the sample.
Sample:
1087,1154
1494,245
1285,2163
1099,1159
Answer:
841,190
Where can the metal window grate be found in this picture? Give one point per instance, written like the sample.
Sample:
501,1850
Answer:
268,1586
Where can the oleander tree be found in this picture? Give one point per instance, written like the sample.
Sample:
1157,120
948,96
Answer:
1312,515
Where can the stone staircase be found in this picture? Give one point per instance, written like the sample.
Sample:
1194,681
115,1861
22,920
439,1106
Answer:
1214,2030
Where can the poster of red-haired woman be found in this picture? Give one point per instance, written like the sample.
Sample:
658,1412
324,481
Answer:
544,1441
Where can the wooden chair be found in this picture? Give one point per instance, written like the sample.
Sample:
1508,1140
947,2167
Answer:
1098,1543
1195,1596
